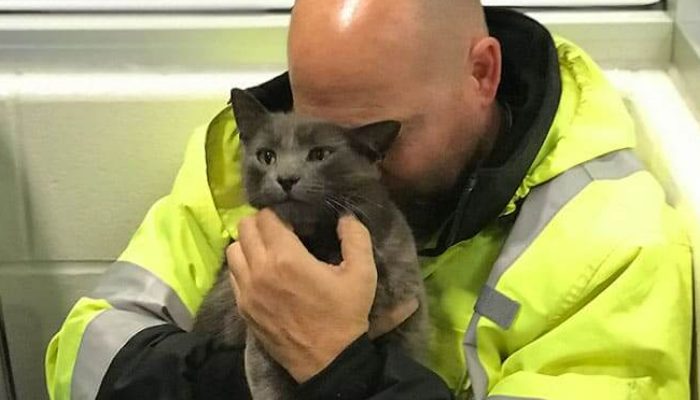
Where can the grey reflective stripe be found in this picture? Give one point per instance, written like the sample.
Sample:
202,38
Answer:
140,300
104,336
511,398
539,208
129,287
477,375
496,307
546,200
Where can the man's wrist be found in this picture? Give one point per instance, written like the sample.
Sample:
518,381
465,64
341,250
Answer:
350,375
320,356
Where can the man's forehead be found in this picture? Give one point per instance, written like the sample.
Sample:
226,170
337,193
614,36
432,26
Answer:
373,46
348,116
350,105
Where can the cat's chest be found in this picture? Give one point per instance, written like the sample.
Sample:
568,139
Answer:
324,245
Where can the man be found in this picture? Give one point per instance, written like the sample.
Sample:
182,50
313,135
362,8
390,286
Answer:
553,266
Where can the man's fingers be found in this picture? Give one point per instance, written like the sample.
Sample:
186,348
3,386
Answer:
251,241
234,286
355,242
238,266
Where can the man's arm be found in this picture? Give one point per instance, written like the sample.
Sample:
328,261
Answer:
365,371
130,339
131,334
166,363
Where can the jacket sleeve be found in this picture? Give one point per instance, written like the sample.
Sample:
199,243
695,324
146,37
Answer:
138,319
164,362
368,371
627,335
147,299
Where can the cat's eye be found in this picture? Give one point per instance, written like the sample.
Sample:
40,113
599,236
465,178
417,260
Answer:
266,156
319,154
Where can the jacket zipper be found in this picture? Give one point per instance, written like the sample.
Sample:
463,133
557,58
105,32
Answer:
461,205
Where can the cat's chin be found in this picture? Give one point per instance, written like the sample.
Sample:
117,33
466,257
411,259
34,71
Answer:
290,208
287,202
305,218
277,201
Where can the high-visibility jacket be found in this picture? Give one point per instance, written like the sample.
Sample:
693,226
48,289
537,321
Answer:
562,274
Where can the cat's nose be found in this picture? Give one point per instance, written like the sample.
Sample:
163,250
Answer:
287,182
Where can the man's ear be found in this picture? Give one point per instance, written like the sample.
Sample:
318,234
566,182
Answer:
250,115
374,140
485,56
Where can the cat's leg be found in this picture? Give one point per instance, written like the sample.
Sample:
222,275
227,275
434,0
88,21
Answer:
218,315
267,380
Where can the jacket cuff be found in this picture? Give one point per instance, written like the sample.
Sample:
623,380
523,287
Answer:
222,376
352,375
164,362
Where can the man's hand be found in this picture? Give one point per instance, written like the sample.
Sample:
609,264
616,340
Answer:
304,311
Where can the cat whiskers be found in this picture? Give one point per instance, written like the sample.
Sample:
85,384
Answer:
335,205
348,205
362,199
332,207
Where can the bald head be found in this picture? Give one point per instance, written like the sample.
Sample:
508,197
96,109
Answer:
361,45
427,63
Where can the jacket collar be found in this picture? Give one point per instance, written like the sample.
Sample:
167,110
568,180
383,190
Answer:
531,89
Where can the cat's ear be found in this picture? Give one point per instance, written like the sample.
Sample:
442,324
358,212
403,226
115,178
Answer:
374,140
250,115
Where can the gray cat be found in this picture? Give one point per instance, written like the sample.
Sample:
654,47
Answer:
310,172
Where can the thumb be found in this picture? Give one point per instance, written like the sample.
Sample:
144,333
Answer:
355,243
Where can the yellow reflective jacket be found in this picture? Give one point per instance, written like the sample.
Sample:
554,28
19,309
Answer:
582,290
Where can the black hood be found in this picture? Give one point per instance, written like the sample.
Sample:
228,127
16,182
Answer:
530,89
